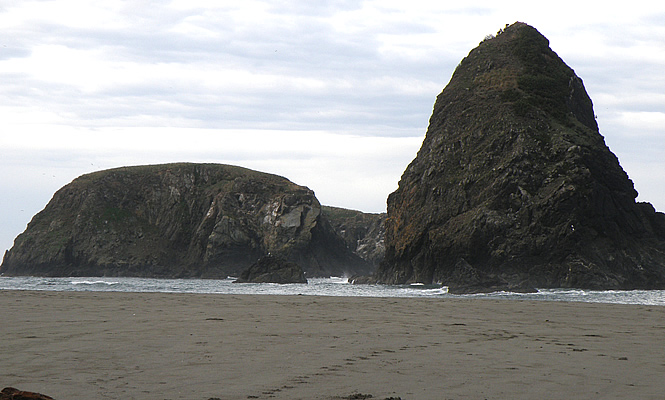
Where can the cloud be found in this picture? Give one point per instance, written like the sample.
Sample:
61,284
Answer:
266,72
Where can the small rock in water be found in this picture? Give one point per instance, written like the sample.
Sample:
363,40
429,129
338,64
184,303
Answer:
273,269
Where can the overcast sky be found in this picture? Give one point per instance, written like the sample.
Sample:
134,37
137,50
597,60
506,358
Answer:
334,95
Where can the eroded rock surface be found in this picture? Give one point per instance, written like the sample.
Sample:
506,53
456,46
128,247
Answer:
514,187
178,220
363,233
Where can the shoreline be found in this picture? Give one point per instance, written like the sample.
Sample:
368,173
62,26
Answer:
318,287
113,345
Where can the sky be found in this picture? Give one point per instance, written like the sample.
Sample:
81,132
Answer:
334,95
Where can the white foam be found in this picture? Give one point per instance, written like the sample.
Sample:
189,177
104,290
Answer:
335,286
93,283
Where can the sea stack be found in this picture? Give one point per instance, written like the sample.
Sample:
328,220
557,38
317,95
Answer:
514,187
178,220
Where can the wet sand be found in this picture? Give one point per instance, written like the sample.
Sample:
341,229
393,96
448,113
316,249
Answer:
90,345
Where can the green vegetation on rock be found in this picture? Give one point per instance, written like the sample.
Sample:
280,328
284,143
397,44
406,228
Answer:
178,220
515,188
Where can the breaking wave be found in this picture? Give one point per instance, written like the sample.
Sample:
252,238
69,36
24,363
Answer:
334,286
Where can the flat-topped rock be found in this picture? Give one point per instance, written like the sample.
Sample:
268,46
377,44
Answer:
178,221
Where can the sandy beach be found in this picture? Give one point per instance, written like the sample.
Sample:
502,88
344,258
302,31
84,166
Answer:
96,345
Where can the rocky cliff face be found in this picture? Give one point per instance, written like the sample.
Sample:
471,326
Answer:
363,233
178,220
514,186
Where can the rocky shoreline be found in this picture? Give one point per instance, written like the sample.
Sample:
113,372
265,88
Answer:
513,188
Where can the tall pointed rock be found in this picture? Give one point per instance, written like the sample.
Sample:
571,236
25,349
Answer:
515,187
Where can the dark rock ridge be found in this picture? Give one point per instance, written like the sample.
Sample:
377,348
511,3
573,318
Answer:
515,188
272,269
178,220
363,233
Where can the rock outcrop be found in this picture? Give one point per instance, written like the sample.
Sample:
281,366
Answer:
515,188
272,269
363,233
178,220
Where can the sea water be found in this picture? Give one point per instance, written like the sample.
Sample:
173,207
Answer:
334,286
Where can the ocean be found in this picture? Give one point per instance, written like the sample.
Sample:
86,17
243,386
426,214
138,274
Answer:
317,287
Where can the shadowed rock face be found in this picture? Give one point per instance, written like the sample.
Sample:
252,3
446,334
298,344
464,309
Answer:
363,233
178,220
514,186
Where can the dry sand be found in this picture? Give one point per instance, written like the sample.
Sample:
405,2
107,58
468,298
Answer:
90,345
